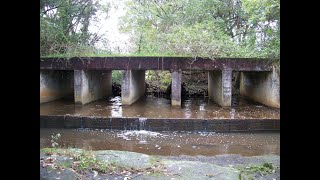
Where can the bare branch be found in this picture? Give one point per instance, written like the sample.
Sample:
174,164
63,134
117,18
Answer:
45,12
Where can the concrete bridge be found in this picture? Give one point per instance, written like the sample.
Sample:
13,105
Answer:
90,78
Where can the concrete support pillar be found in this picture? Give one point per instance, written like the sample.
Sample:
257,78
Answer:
91,85
55,84
176,88
133,86
262,87
220,86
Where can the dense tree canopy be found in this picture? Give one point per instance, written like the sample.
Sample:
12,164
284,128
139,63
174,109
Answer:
211,28
64,25
208,28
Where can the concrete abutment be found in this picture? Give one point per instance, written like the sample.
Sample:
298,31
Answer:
262,87
91,85
133,86
176,87
220,87
55,84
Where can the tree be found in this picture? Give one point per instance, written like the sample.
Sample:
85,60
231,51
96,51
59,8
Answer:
210,28
64,25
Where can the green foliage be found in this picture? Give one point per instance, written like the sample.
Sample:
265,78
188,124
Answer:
262,169
87,160
64,26
64,164
200,39
103,54
117,76
84,161
159,79
208,28
49,151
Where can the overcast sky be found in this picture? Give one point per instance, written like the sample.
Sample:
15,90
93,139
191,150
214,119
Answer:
109,26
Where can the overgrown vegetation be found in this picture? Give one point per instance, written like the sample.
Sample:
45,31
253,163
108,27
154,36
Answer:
64,26
208,28
85,161
159,80
261,169
102,54
117,76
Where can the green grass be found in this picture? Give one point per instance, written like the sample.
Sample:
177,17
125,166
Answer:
154,160
64,164
68,56
262,169
87,161
113,55
49,151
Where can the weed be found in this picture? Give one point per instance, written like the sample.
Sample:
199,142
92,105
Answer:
87,161
262,169
54,139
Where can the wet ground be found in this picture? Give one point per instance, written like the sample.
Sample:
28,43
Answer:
166,143
154,107
130,165
184,155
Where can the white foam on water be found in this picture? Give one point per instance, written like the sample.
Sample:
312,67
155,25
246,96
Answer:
140,135
140,132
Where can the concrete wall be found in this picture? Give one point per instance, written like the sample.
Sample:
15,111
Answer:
176,88
155,63
91,85
55,84
133,86
220,87
262,87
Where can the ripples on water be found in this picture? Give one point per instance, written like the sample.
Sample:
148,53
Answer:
166,143
152,107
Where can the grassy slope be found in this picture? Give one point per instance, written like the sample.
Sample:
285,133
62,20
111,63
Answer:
113,55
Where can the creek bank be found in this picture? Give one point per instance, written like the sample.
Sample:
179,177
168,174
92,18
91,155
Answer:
71,164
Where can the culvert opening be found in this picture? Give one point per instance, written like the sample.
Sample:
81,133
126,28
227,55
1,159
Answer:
158,83
116,82
194,84
56,85
235,98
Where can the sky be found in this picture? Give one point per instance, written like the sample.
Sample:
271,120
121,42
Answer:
109,26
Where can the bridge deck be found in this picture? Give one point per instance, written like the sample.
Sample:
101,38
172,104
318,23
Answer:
155,63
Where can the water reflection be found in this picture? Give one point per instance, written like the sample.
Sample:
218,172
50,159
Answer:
152,107
166,143
232,113
116,107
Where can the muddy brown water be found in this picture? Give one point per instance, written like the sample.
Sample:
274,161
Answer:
154,107
166,143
